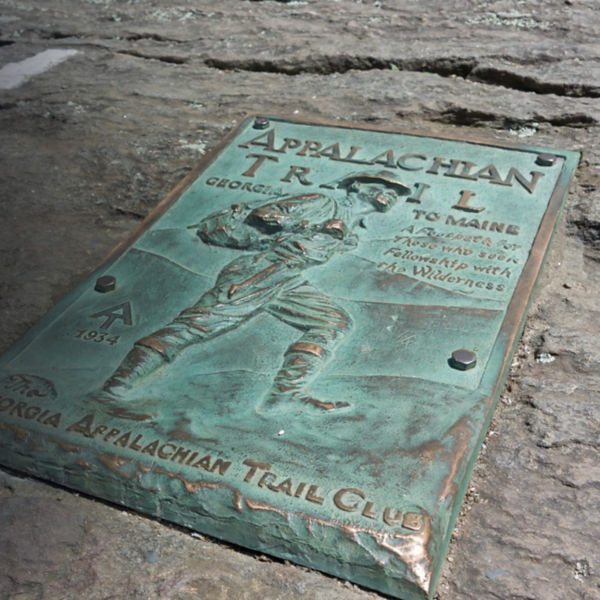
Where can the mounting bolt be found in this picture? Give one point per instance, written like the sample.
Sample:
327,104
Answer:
261,123
463,360
106,283
545,160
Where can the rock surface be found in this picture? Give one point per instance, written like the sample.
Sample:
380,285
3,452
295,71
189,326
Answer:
93,143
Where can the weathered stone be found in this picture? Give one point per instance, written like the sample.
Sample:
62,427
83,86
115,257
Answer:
56,545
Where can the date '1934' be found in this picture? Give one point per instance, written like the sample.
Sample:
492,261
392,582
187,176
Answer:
90,335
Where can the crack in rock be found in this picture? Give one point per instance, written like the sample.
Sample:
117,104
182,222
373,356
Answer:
526,83
177,60
461,115
155,37
330,64
589,231
465,67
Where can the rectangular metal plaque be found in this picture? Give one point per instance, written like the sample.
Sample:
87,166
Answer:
301,349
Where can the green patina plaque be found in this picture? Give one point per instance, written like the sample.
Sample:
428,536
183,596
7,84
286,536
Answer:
301,349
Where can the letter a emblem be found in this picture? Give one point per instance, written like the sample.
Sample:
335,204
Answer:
121,311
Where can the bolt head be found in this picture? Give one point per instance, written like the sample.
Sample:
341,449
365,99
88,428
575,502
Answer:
106,283
463,360
261,123
545,160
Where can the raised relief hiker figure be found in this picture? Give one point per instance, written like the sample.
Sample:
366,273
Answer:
278,241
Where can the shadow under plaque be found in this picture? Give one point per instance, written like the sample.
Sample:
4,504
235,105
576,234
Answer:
300,350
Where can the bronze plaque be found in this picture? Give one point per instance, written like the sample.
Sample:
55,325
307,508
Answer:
300,350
